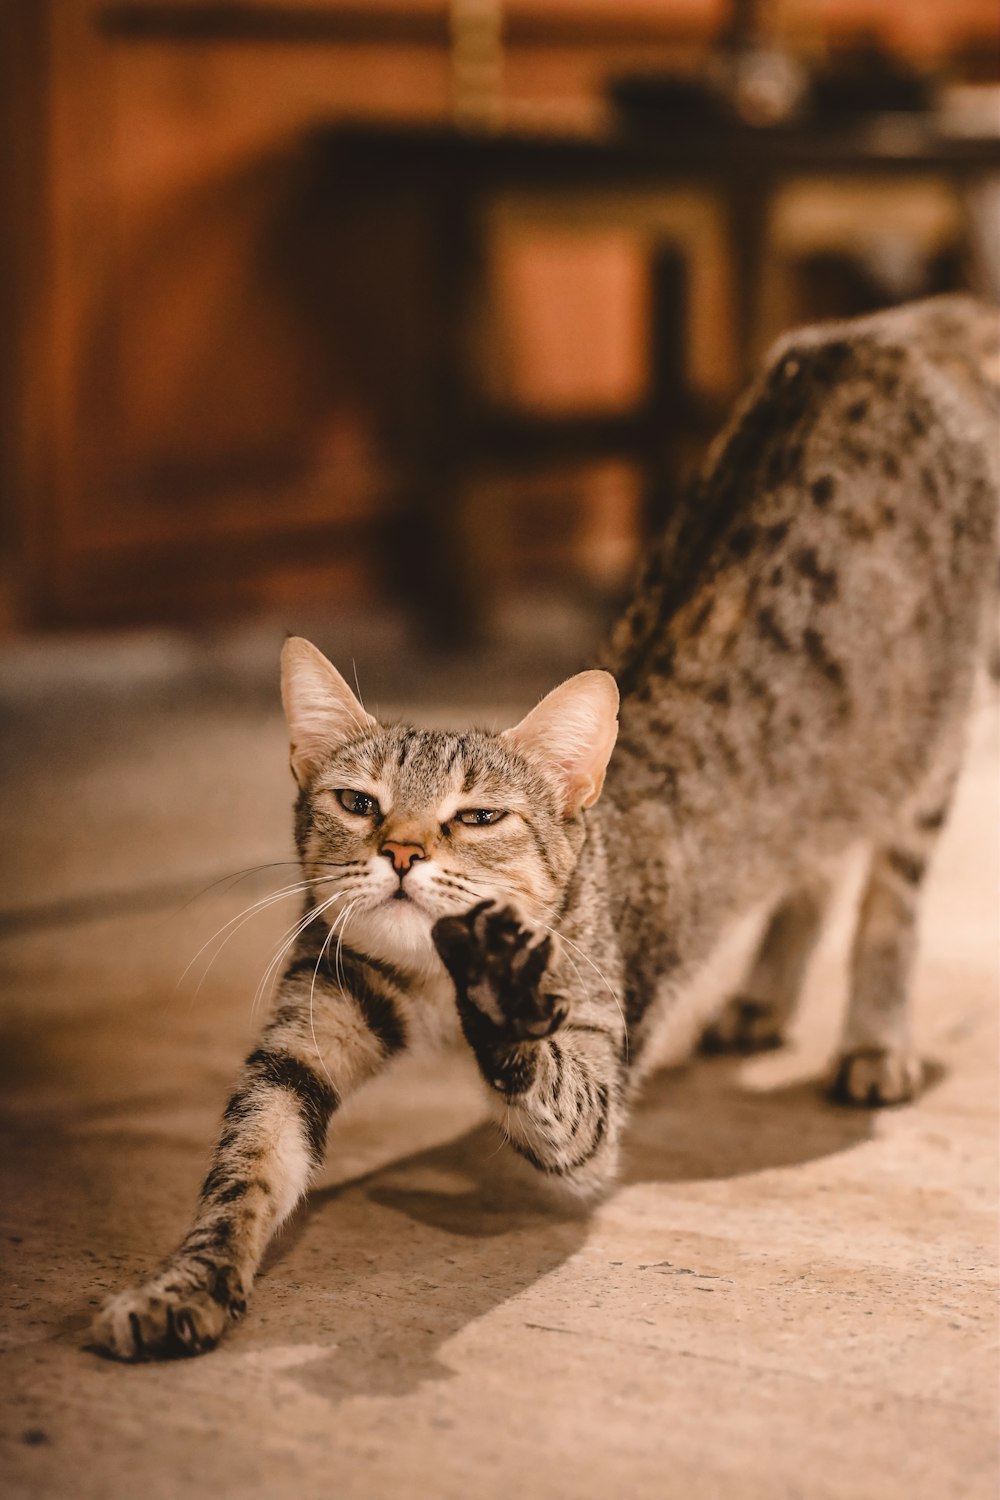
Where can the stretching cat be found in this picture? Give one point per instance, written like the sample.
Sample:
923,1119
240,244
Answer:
795,673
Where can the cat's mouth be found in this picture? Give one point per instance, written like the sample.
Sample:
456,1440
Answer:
401,897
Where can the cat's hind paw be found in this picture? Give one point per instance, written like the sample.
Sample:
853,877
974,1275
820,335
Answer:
873,1077
165,1319
744,1026
498,960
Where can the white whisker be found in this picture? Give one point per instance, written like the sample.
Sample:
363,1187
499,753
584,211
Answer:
287,939
562,938
235,876
504,1129
290,936
357,684
339,920
241,918
338,964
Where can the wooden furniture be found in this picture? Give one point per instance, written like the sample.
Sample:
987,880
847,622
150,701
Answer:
451,180
175,438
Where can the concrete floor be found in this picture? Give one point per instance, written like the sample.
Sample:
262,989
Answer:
780,1300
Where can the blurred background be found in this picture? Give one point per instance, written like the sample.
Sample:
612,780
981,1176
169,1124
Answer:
420,311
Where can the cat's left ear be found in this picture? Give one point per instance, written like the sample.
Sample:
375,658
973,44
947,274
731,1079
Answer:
572,733
320,708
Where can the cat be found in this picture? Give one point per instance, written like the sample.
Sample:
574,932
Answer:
791,677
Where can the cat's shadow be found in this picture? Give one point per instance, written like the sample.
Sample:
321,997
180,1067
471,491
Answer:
415,1253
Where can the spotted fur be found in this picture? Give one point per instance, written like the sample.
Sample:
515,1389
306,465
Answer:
795,671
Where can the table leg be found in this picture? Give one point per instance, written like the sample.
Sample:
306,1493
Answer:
444,565
748,213
667,392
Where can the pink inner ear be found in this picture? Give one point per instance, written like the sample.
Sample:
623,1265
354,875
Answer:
573,731
320,707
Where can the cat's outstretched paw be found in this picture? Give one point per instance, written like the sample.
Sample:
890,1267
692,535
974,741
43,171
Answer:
744,1025
498,960
871,1077
173,1315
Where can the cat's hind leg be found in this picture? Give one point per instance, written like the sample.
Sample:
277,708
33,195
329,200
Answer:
758,1015
877,1064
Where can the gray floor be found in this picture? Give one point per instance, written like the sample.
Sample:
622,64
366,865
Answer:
780,1299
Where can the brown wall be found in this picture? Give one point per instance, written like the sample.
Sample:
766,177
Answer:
179,431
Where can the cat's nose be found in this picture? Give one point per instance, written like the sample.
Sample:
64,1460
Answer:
402,855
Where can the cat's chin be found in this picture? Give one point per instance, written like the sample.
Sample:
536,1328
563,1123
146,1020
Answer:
397,931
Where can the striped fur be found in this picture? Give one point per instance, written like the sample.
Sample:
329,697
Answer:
795,668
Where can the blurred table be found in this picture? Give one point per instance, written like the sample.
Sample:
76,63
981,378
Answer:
451,178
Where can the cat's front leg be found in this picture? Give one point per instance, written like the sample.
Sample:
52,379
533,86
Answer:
272,1139
556,1076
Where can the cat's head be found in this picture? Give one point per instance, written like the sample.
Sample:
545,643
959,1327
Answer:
402,826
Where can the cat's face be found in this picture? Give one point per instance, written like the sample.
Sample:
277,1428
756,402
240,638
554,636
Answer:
401,826
411,825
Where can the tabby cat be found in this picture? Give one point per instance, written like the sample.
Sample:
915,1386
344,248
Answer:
795,671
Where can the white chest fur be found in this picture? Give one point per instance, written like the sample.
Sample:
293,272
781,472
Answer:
401,937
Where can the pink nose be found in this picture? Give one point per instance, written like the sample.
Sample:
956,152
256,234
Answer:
402,855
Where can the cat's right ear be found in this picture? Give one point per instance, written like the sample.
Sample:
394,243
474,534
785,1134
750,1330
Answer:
320,708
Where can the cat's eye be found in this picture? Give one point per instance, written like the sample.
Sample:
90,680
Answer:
358,803
480,817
